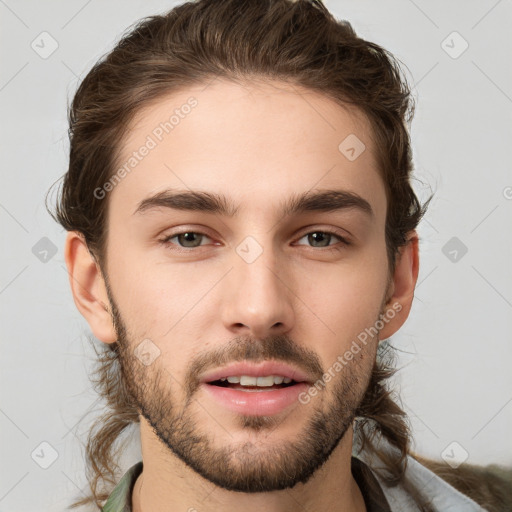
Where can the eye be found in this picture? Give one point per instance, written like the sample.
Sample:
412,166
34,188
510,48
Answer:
186,239
323,239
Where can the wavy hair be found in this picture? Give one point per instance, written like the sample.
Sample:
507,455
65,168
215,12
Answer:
297,42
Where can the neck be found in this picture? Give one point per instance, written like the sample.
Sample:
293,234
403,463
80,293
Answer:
166,483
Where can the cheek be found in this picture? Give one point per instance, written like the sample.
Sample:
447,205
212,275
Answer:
154,295
169,304
344,303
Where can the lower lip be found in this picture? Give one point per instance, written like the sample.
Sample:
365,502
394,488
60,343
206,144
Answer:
256,403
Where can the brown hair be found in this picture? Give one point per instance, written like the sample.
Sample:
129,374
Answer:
298,42
490,486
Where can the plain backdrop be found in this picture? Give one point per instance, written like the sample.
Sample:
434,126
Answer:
455,348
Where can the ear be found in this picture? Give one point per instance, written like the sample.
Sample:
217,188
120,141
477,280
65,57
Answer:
401,289
88,287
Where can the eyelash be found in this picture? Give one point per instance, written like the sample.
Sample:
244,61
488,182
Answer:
335,248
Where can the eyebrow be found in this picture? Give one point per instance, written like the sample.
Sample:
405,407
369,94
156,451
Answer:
208,202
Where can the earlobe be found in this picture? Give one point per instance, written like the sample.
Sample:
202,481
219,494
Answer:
403,284
88,287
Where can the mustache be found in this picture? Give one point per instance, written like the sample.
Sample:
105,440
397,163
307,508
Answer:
245,348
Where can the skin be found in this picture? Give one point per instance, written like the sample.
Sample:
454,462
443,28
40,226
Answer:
258,144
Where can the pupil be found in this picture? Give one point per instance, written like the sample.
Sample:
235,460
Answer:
313,237
186,237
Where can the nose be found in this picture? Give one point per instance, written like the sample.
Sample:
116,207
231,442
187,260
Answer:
257,297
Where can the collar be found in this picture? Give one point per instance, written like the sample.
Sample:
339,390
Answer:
441,495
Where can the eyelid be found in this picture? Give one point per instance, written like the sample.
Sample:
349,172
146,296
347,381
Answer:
166,238
177,249
341,233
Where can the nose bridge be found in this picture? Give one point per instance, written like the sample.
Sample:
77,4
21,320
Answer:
257,295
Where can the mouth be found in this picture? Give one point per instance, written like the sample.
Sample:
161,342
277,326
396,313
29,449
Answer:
261,375
256,389
249,383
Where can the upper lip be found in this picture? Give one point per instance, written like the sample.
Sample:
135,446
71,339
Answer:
257,370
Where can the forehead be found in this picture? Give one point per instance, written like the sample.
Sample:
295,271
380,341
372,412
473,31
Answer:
253,142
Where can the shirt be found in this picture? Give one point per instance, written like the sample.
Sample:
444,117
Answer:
444,497
120,500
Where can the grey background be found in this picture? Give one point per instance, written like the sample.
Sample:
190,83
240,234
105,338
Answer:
456,345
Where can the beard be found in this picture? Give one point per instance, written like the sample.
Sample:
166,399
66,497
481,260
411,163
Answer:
251,466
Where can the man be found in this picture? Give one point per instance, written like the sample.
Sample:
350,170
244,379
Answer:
241,239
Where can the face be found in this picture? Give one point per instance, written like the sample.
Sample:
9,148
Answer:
265,277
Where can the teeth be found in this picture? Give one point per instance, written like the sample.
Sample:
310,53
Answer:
248,381
266,381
